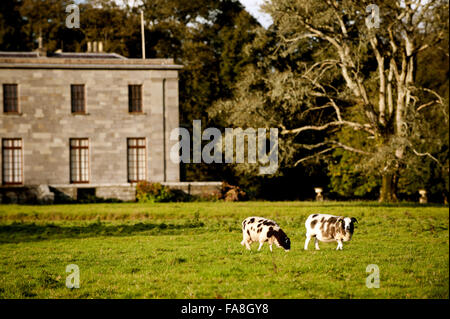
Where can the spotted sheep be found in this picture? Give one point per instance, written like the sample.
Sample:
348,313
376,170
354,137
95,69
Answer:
329,228
260,229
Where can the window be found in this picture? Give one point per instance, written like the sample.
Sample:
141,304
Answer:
12,161
136,153
135,98
79,160
10,98
77,98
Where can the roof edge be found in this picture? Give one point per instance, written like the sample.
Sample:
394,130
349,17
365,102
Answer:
81,60
69,63
92,66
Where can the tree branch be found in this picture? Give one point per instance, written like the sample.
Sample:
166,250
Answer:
354,125
337,144
421,107
427,155
314,155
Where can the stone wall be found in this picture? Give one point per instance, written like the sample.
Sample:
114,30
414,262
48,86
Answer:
124,192
43,194
196,188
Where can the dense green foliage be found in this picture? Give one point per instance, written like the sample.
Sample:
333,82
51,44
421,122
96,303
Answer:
147,192
192,250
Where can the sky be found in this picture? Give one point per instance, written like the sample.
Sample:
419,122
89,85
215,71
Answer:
252,6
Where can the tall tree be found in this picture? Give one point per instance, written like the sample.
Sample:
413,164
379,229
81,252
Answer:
361,80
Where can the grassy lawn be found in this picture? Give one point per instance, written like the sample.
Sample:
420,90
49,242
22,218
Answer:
192,250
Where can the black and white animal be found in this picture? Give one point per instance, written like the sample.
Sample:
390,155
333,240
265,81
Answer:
329,228
260,229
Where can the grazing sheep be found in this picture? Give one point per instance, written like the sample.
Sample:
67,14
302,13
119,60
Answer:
259,229
328,228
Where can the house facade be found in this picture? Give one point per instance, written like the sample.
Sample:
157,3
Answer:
87,123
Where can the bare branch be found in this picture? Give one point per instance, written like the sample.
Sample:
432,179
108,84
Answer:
382,79
321,64
438,101
317,108
332,102
427,155
344,55
356,126
351,149
337,144
313,146
314,155
421,107
300,37
337,12
435,94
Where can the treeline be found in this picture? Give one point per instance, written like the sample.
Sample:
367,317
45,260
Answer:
238,74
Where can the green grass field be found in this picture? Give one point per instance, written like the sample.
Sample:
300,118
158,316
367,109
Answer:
192,250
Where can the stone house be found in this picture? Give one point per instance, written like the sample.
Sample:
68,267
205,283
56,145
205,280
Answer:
86,123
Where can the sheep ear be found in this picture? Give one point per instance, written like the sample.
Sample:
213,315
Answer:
354,220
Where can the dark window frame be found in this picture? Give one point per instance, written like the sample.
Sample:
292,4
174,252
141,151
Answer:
11,102
13,163
135,98
136,161
78,98
79,160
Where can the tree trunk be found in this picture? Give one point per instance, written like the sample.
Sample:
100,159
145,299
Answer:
388,188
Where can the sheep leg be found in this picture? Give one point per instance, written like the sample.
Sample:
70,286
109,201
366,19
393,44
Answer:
246,241
308,238
260,245
316,243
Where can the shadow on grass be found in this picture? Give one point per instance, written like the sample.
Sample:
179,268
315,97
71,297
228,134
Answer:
26,232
